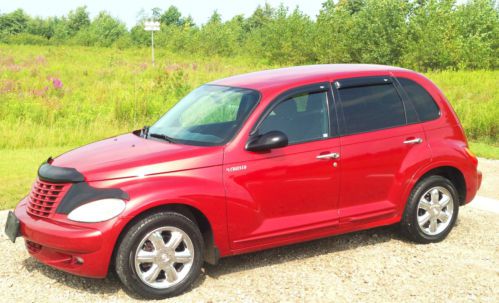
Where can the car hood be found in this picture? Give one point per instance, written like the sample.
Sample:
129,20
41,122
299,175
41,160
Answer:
131,156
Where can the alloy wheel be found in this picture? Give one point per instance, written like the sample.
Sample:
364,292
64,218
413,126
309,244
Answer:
164,257
435,210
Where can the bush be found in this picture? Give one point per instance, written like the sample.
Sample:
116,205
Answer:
25,38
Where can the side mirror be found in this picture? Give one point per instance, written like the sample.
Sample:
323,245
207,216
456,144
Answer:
267,141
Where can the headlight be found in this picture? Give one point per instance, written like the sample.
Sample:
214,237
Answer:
97,211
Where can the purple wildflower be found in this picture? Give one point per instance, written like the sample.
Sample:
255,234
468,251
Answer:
57,83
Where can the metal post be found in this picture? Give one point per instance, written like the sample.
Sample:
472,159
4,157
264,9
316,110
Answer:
152,26
152,47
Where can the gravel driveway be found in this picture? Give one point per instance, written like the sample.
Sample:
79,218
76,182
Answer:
375,265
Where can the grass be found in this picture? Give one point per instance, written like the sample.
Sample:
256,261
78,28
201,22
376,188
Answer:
52,97
104,91
18,169
474,95
485,150
97,92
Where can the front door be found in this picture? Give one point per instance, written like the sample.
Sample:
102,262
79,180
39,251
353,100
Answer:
286,193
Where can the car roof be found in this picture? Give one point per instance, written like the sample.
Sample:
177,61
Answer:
300,75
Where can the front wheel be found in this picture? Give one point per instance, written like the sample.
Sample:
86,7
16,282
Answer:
160,255
431,210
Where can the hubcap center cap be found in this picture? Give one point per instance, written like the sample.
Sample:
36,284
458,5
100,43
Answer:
164,257
434,211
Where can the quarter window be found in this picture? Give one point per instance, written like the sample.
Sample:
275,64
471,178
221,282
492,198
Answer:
302,118
423,102
369,108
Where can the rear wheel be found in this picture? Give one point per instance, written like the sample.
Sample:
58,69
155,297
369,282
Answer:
431,210
160,255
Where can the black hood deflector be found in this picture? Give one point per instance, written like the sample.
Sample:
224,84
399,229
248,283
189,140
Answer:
56,174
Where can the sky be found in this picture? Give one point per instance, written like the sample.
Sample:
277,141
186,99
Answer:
127,10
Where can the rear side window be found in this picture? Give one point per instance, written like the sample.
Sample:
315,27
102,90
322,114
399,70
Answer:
425,106
369,108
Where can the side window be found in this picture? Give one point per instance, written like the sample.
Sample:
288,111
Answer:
369,108
425,106
302,118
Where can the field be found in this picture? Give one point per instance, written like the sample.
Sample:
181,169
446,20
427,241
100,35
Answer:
55,98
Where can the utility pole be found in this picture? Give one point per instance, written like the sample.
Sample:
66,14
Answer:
152,26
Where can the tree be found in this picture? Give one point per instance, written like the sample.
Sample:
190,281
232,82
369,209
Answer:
14,23
217,38
287,38
215,18
478,29
156,13
42,27
103,31
139,36
380,32
77,20
432,39
172,16
261,16
335,23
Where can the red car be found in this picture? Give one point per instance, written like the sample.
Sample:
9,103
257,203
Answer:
248,163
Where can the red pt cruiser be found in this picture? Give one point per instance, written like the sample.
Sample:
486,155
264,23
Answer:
248,163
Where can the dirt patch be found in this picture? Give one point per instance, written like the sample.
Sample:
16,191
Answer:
375,265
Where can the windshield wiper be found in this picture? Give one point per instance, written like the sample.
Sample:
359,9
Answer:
162,137
144,131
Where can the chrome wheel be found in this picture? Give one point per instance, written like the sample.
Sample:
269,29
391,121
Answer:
435,210
164,257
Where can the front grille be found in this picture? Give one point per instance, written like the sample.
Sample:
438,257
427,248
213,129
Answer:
45,197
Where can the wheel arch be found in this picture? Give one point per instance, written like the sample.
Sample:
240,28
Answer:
452,173
211,251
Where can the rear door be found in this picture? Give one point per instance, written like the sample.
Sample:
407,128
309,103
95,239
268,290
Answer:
380,150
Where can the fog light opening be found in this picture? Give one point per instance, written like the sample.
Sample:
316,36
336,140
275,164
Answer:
78,260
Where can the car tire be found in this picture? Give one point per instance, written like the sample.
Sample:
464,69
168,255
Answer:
160,255
431,210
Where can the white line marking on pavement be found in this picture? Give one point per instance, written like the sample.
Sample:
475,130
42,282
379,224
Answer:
484,203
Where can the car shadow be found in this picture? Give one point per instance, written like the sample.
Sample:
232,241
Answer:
303,250
310,249
109,285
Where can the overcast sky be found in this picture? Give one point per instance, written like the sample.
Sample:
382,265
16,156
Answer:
126,10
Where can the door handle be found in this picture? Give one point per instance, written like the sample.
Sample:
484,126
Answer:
329,156
413,141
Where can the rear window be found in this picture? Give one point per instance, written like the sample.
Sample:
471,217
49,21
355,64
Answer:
425,106
369,108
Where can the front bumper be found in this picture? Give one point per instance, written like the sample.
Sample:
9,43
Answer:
80,250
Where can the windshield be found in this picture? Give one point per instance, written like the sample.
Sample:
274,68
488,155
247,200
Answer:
209,115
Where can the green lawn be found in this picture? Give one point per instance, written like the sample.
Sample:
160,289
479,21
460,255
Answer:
18,168
101,92
485,150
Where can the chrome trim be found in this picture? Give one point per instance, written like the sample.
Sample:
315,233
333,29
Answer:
329,156
414,141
